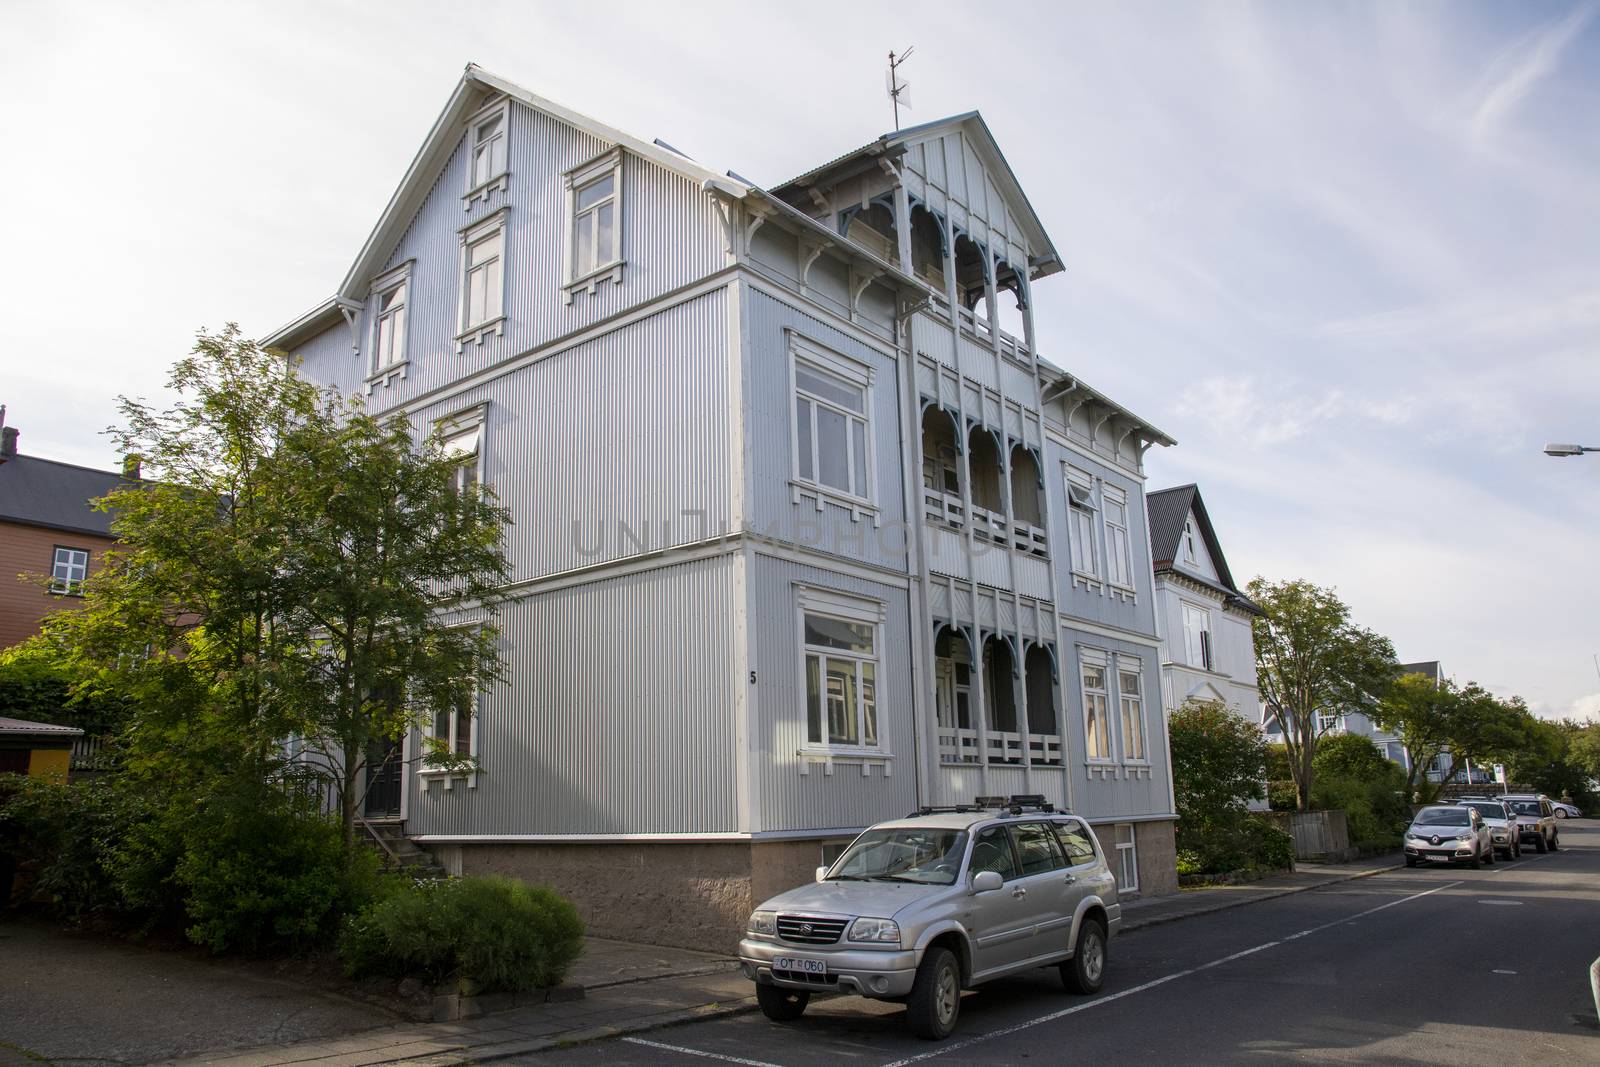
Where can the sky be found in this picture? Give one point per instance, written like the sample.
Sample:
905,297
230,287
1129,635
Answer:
1347,254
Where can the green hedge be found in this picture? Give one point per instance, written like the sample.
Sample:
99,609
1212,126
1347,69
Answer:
495,933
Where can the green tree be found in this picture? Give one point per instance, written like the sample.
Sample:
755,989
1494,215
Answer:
1312,660
293,568
1219,765
1351,756
1418,711
1485,730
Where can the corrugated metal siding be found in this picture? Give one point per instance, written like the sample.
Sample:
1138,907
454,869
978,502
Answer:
617,715
670,236
1120,792
783,798
1137,615
613,443
327,360
771,451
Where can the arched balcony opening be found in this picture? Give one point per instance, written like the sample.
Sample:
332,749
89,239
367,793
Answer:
984,468
952,697
972,285
874,230
941,467
1044,731
1000,701
927,248
1027,502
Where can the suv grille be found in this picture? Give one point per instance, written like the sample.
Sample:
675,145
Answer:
804,930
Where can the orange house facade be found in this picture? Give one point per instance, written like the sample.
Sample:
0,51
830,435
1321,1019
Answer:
51,537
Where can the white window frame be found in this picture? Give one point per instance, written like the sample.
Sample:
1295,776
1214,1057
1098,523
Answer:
810,600
386,283
68,585
472,236
1127,856
1189,555
501,178
443,774
1135,667
1082,506
606,267
1088,657
806,353
1119,542
1199,653
462,435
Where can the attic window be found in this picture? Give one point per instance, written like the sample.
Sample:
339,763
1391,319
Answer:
1188,541
594,223
487,134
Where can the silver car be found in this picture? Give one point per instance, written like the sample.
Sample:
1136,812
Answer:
1448,833
920,908
1536,820
1502,823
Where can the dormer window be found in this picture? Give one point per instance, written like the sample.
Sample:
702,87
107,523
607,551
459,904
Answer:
487,136
594,223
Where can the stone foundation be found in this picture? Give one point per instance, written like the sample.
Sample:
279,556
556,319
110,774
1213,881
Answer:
692,895
1156,853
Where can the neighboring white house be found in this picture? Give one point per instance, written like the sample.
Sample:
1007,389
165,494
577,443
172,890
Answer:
1207,646
802,538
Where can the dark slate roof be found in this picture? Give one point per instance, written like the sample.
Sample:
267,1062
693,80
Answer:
1167,509
1429,667
43,492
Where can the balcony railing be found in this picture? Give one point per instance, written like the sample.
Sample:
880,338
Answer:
957,745
1007,748
947,509
982,331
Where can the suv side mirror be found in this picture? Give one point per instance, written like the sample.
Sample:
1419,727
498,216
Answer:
987,882
822,873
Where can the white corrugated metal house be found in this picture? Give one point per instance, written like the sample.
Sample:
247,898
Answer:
802,538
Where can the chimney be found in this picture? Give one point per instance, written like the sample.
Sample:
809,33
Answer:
8,443
131,465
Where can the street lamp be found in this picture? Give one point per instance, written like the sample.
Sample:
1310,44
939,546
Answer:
1568,450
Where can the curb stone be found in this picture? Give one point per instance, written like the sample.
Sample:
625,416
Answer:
1224,905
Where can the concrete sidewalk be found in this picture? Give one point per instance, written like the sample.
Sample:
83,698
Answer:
635,987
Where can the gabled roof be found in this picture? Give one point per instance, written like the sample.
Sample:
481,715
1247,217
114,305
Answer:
435,152
24,728
1169,509
1046,259
43,492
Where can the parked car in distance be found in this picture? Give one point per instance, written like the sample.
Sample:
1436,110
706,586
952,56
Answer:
920,908
1502,823
1448,833
1563,810
1536,820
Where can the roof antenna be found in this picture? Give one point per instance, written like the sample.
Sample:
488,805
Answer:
899,91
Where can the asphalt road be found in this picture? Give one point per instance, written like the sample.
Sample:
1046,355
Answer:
1428,966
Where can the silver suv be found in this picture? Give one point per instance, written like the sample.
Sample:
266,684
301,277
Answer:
917,909
1536,820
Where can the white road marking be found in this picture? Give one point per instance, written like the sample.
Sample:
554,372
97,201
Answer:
1499,971
1502,903
1063,1013
698,1052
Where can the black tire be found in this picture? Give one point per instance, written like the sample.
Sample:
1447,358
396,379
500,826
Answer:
782,1005
1085,972
1489,857
1411,861
1476,861
1539,846
1555,841
935,1001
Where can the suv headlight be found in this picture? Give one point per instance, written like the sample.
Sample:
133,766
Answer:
1465,835
763,922
881,930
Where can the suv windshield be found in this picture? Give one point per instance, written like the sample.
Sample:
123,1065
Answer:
906,854
1444,817
1526,807
1488,810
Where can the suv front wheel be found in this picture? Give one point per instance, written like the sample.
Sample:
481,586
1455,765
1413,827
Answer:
935,1000
1085,972
782,1005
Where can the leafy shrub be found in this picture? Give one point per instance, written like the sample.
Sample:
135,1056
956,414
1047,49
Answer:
1218,764
70,833
1375,808
263,871
498,933
1349,756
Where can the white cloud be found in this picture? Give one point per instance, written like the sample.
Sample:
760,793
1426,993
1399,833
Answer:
1519,68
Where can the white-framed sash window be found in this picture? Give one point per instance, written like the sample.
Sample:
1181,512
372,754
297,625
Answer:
840,671
462,442
832,437
391,298
594,223
68,569
1093,667
1081,523
1127,857
1130,695
1119,554
488,134
483,279
1197,637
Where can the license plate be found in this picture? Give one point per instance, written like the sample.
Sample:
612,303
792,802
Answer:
794,963
1438,859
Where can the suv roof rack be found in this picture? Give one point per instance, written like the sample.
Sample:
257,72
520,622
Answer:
1015,804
